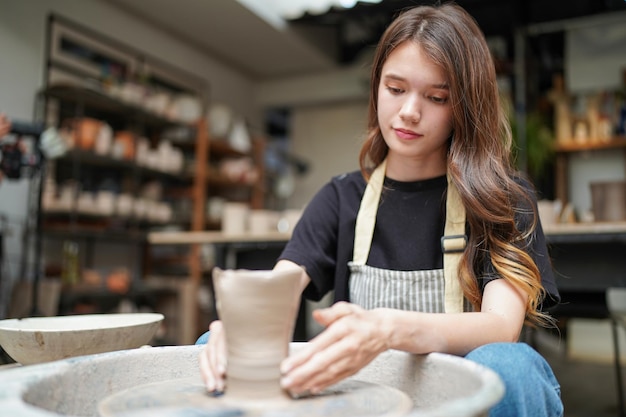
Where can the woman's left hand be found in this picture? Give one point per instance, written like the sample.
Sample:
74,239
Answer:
353,338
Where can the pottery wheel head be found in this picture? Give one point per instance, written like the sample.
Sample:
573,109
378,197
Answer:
188,398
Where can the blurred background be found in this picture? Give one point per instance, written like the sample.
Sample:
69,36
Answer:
154,140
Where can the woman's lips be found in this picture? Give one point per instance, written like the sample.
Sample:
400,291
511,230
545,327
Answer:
406,134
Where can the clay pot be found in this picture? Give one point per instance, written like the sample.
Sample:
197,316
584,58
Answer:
118,281
235,218
609,201
124,145
258,310
85,132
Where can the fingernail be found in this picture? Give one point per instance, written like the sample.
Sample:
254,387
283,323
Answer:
286,382
221,368
210,386
216,393
284,368
297,396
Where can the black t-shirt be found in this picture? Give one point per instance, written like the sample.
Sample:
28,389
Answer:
407,235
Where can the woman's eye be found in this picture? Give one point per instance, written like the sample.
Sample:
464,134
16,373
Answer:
438,100
395,90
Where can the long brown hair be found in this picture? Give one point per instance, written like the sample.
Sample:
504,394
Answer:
479,156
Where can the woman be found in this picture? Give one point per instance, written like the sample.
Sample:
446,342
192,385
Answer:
437,221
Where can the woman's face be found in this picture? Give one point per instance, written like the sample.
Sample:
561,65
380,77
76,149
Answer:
414,111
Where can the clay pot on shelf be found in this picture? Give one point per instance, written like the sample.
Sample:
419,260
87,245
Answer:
609,201
118,281
104,140
85,131
262,221
235,218
124,145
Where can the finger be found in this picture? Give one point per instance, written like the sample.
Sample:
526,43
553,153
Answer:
327,368
320,342
300,367
323,381
216,353
220,347
296,359
326,316
205,370
204,367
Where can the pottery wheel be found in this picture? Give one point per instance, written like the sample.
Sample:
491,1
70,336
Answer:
188,398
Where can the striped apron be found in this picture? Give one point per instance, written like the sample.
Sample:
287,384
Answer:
433,291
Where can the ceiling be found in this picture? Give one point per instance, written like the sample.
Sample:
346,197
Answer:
265,47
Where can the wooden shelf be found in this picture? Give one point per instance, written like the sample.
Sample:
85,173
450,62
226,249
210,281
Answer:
219,148
84,157
66,231
96,99
62,224
563,151
585,228
202,237
219,180
573,146
596,232
222,149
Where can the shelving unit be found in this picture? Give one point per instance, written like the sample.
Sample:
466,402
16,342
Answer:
92,228
90,76
197,181
563,152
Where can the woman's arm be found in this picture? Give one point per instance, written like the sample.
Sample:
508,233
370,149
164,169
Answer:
354,336
500,320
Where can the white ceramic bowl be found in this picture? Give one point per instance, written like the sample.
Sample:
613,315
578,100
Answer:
44,339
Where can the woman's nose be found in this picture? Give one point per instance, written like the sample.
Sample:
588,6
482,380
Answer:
410,111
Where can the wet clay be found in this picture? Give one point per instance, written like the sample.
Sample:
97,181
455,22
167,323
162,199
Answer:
258,310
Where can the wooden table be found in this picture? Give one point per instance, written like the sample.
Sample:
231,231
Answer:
230,244
187,238
587,258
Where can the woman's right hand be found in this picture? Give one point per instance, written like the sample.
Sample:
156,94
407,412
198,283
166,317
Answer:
213,359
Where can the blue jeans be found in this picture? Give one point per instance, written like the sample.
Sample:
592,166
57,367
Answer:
531,387
203,339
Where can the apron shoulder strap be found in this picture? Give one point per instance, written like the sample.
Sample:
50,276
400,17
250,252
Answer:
366,218
453,243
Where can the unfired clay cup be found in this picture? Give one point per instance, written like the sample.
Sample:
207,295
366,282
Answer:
258,310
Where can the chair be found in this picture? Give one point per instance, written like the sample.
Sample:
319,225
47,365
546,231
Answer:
616,303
